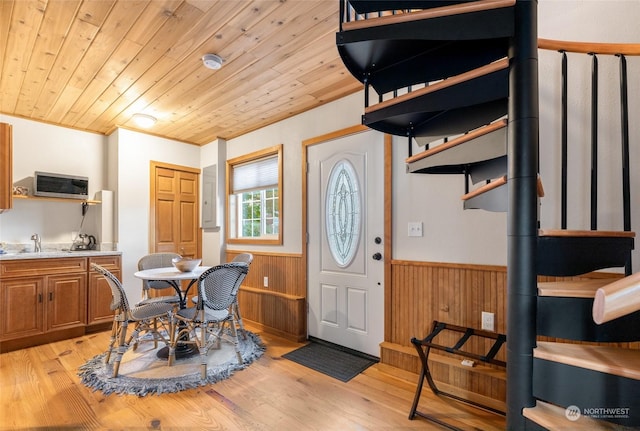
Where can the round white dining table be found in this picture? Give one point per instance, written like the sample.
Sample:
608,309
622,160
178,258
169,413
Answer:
173,275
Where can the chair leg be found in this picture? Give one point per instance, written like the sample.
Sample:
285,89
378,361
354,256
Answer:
112,341
234,336
238,317
121,347
173,340
203,347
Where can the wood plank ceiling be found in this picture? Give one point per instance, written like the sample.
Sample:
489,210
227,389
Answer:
92,64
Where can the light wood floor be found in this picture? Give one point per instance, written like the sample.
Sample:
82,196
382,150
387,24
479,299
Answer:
40,389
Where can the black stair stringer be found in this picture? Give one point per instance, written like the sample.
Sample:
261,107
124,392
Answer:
389,65
571,319
444,110
483,24
570,256
587,389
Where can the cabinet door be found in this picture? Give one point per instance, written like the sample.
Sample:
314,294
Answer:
99,294
100,298
66,300
22,307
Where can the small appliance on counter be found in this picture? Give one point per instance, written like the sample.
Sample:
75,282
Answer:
84,242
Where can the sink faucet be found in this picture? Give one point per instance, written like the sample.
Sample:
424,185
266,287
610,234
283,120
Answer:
37,242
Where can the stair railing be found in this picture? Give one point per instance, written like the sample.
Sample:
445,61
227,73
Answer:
594,50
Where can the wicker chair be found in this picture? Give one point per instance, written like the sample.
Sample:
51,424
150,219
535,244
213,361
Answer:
246,258
145,319
157,260
204,324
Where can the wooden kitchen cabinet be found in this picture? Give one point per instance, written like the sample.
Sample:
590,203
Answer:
22,310
45,300
6,167
99,298
65,301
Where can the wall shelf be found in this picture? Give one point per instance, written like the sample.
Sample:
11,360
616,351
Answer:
43,198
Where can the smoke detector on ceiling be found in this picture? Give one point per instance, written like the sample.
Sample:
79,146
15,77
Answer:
212,61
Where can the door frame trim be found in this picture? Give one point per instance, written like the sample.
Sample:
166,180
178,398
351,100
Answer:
387,203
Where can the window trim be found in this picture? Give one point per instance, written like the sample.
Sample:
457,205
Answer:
247,158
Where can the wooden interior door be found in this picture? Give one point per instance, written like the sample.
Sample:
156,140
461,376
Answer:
174,210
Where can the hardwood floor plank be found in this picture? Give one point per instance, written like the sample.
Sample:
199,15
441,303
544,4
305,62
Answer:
40,388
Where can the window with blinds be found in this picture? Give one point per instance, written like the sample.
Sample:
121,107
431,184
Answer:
254,197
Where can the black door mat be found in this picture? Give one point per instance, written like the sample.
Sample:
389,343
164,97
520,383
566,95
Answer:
331,359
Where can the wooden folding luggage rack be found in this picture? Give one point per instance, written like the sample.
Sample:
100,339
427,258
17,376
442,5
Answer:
425,345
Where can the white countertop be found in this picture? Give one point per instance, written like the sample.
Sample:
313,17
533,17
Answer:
56,254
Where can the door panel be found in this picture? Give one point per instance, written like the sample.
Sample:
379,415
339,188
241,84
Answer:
345,215
175,206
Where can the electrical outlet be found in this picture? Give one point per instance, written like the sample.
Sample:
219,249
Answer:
266,282
488,323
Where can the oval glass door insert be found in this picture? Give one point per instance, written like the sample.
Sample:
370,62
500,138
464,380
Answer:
343,212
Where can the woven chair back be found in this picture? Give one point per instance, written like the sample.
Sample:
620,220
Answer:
244,257
218,286
118,297
156,260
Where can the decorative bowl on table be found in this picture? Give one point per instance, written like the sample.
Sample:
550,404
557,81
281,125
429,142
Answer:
185,264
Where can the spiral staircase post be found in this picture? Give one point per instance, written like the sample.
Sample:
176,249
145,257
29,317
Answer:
522,153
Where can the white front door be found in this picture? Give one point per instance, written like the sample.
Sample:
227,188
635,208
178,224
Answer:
345,195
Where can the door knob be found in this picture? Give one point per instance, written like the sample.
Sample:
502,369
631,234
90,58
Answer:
377,256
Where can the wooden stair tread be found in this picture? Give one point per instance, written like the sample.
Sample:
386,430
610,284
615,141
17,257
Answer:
486,188
439,86
583,233
425,14
553,417
572,288
605,359
495,184
458,141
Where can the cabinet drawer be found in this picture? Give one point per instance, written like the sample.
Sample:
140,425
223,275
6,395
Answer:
108,262
30,267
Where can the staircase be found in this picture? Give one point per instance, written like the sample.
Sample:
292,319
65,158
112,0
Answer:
458,78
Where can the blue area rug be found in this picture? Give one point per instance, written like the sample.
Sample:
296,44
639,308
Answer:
142,372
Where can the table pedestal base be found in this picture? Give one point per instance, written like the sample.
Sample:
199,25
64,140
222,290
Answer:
182,351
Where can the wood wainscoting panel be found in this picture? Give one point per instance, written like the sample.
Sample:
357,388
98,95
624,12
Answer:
280,307
422,292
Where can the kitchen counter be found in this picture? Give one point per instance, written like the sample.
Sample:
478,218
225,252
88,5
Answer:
56,254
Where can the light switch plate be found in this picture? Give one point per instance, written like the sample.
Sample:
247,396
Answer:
415,228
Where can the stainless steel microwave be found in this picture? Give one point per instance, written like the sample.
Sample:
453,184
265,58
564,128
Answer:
60,185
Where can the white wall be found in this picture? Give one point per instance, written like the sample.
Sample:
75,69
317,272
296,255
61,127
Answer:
588,21
43,147
135,151
290,133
